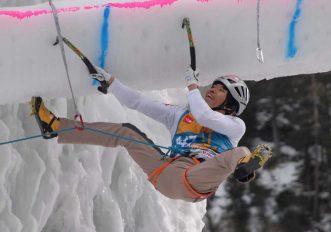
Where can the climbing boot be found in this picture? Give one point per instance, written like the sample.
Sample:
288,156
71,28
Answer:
47,121
246,167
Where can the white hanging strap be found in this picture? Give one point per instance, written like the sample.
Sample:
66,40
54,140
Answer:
259,53
59,34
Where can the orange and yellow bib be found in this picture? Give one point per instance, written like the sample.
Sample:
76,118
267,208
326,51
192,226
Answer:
190,134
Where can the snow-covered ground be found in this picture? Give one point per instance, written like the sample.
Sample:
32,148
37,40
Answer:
49,187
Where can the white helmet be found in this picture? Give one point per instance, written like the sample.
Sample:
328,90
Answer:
237,88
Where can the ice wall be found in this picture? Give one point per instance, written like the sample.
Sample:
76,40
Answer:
148,49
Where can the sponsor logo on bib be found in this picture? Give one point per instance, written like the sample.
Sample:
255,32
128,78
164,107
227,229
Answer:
188,119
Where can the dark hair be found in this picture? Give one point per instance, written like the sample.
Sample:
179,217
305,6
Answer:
230,103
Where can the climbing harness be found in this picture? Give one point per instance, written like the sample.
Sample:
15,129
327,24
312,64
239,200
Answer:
156,173
194,194
153,177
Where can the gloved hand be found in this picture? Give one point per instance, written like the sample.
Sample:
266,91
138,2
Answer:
103,78
191,76
102,75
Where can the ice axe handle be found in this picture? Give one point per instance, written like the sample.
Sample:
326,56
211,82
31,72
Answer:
86,61
186,23
91,69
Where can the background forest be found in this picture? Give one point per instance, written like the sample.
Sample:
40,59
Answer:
292,193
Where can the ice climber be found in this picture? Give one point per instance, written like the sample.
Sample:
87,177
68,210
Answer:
205,135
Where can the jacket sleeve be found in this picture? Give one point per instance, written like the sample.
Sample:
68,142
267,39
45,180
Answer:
230,126
136,101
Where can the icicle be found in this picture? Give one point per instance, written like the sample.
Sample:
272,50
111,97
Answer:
259,53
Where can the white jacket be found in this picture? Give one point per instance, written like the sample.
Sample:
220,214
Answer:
169,115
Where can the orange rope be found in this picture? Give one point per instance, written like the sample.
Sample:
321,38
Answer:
189,188
156,173
194,194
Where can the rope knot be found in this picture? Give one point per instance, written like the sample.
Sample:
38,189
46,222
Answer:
177,150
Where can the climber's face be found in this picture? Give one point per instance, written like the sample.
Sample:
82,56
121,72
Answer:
216,95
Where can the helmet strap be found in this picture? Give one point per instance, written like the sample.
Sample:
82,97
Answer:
222,107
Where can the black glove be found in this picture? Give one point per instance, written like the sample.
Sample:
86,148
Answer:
102,77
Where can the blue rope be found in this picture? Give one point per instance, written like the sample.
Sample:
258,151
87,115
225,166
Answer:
35,136
125,138
172,150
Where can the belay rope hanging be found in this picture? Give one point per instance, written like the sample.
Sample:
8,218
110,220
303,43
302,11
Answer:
78,125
